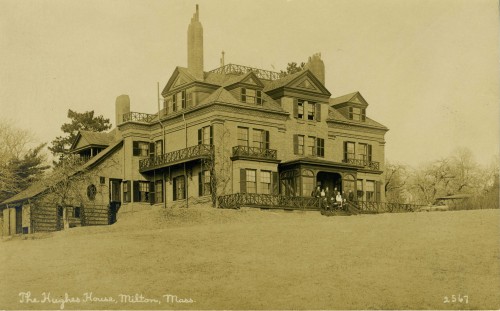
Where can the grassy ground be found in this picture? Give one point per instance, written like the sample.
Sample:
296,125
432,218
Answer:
252,259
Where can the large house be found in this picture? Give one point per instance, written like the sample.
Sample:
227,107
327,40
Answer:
230,130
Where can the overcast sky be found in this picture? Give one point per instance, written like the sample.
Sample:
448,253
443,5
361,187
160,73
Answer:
428,69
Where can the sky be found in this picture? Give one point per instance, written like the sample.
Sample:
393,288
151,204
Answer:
428,69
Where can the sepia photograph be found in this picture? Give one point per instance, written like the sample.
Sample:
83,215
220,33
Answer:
249,155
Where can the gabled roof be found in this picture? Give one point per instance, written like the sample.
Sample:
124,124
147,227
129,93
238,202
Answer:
92,139
295,80
179,73
41,186
354,97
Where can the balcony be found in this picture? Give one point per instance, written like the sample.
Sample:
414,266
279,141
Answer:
372,165
138,117
176,157
247,152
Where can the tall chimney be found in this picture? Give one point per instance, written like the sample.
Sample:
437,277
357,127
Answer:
195,46
317,67
122,107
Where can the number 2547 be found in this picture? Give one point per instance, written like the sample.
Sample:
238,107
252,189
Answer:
455,298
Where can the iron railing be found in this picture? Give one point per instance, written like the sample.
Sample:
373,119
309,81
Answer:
255,152
270,201
178,156
240,69
374,165
237,200
138,117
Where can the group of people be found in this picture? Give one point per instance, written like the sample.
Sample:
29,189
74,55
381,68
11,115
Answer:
331,199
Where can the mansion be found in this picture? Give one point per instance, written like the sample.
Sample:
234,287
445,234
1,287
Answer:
234,129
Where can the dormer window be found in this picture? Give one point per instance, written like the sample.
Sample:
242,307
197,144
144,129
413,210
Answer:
251,96
357,114
307,110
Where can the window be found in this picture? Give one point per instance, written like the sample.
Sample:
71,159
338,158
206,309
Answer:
359,186
205,135
91,192
320,147
102,180
140,148
311,111
307,110
242,136
311,145
76,212
357,114
114,190
298,144
258,139
179,188
126,191
251,181
159,191
265,182
159,147
251,96
204,183
179,101
370,190
349,150
307,186
300,109
141,191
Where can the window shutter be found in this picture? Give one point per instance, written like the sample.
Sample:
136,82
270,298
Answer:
378,185
151,194
295,108
199,137
200,184
369,153
363,114
174,102
135,148
345,151
318,112
296,144
183,99
350,113
275,183
267,139
259,99
136,192
243,180
174,188
211,135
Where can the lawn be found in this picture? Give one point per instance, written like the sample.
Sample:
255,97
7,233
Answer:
252,259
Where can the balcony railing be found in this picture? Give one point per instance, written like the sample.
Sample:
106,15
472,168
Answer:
373,165
255,152
174,157
138,117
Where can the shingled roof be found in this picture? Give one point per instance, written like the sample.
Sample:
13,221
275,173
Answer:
93,138
41,186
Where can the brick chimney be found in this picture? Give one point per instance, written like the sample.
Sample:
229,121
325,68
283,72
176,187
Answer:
122,107
195,46
317,67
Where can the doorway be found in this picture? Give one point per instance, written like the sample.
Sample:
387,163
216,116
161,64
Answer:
331,180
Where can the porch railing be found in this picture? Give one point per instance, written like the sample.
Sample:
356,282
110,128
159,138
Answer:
138,117
237,200
255,152
258,200
178,156
373,165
